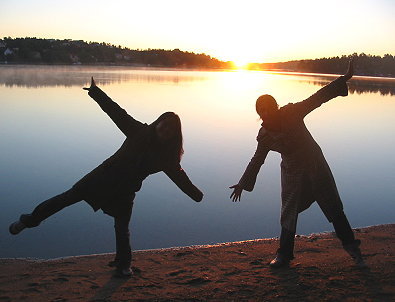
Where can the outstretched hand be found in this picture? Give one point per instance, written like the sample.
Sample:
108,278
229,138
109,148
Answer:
93,84
350,71
236,194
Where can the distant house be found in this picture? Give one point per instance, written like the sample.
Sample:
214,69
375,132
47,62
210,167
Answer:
78,43
35,55
75,59
66,42
8,52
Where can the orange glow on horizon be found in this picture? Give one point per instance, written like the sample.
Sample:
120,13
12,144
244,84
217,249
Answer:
240,64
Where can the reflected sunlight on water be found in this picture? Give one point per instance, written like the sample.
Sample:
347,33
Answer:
53,133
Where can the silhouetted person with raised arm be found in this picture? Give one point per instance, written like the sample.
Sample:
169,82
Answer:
305,174
148,149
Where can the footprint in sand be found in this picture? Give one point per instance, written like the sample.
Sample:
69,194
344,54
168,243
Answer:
136,270
95,286
198,281
59,300
241,253
175,273
257,262
235,272
31,290
155,261
180,254
61,279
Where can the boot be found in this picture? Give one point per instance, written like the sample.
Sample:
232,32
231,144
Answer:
279,261
125,272
353,250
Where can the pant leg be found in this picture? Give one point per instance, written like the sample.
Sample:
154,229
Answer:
343,229
325,190
122,237
292,195
50,207
329,201
287,243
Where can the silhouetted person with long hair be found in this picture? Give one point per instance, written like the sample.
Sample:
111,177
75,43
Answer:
148,149
305,174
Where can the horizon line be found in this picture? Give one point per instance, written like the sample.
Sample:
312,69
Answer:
203,53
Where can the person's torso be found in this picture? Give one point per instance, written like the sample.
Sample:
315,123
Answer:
291,138
125,170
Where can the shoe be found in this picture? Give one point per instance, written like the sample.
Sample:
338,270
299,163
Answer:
353,250
16,227
279,261
123,272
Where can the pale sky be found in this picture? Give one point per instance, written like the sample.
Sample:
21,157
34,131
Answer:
242,31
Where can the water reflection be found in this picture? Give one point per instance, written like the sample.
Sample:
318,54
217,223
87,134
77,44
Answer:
54,134
67,76
358,84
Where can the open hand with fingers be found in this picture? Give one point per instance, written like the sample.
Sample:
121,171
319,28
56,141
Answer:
236,194
350,71
93,84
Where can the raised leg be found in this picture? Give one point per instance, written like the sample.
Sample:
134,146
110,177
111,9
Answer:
45,210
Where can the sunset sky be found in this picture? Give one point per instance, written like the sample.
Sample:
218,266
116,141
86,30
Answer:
241,31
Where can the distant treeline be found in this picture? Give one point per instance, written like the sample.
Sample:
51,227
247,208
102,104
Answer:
51,51
366,65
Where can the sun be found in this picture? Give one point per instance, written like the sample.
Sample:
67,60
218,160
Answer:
240,63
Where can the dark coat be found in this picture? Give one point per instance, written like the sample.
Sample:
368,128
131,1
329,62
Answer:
112,185
305,174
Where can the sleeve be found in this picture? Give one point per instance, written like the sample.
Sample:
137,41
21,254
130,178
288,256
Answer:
181,179
127,124
334,89
247,181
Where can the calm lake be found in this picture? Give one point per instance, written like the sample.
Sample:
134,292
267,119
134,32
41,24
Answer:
52,133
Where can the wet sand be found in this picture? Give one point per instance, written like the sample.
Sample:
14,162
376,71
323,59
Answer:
236,271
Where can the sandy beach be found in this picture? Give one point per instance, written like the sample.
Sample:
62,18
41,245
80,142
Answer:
236,271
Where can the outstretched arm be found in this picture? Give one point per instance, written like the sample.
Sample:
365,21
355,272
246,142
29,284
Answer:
247,181
336,88
181,179
124,121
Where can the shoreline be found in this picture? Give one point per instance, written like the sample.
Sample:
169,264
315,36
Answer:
197,246
322,271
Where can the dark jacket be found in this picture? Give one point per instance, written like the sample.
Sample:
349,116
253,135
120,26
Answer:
112,185
305,175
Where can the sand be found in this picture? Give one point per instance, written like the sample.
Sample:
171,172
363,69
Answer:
237,271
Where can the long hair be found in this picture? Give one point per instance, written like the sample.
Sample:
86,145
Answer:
173,148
